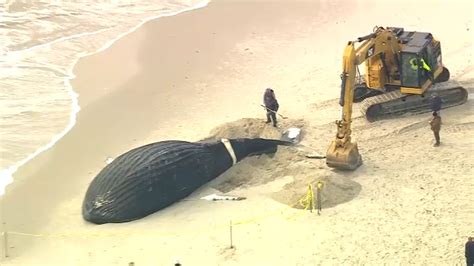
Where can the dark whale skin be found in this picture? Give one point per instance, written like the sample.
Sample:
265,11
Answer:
151,177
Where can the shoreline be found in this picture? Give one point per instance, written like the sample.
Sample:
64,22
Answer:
40,166
7,173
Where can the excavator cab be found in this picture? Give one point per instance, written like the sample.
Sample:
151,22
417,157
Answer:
420,62
413,74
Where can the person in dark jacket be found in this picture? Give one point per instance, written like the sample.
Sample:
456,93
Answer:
271,104
436,127
436,102
470,251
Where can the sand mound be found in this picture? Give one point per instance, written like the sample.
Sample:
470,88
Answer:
336,190
253,128
288,162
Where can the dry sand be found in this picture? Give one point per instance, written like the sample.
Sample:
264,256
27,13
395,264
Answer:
202,74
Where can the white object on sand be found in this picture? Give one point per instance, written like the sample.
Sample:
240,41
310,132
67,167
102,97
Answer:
315,155
215,197
292,134
109,160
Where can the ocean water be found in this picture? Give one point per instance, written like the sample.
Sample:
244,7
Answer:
40,42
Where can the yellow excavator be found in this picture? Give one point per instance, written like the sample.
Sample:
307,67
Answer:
401,67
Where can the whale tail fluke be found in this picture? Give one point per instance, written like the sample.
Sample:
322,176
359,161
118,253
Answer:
244,147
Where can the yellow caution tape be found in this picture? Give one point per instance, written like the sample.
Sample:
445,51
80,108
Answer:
308,201
320,185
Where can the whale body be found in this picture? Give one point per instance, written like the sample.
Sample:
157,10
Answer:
151,177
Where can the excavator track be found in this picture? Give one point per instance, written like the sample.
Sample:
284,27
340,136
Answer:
395,103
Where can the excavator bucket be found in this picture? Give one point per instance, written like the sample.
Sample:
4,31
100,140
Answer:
346,157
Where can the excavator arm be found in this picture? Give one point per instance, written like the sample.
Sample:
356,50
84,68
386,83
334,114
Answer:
342,152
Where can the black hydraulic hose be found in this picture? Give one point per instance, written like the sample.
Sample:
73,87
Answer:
363,38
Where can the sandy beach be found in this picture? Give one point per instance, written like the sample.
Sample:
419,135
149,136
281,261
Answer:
201,74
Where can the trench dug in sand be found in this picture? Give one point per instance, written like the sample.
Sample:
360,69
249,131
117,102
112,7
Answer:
289,163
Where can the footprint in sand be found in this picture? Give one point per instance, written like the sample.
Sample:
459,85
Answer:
460,127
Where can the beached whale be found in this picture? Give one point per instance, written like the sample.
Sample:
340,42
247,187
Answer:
152,177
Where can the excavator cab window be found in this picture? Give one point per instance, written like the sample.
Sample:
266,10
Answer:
411,72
